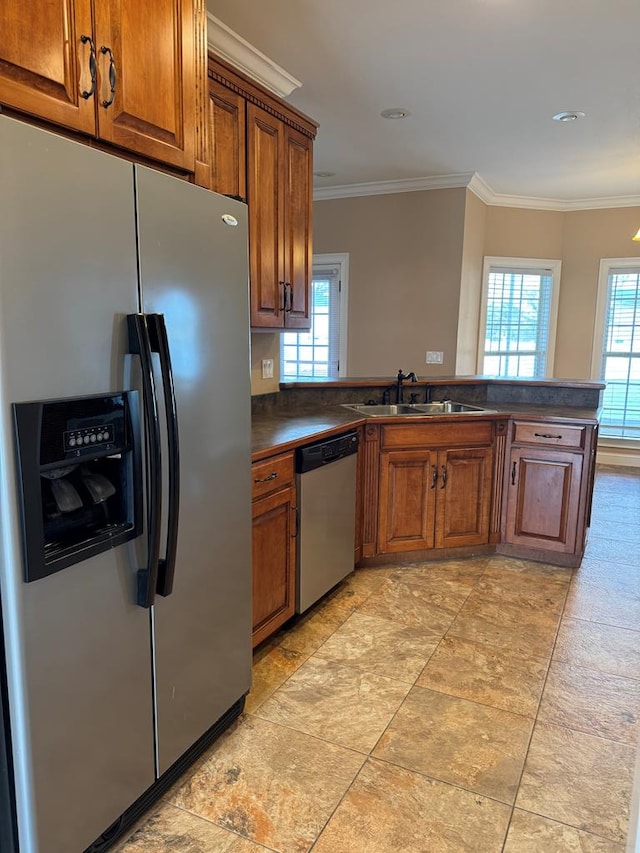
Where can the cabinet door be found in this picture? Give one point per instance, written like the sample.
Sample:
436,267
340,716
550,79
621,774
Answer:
406,505
227,113
150,50
463,497
543,499
265,166
298,204
273,562
44,65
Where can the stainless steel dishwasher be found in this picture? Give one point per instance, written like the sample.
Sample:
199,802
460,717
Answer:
326,479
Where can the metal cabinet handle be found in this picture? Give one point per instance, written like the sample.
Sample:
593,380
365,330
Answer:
444,476
272,476
434,476
112,75
93,68
546,435
513,474
288,284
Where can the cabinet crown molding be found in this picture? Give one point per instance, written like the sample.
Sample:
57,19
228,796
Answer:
242,55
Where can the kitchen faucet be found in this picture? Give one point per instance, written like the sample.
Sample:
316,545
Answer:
400,379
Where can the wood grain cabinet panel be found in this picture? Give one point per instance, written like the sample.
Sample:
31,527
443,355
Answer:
273,562
273,544
434,497
228,128
464,497
543,499
297,241
406,508
265,159
45,64
120,71
152,52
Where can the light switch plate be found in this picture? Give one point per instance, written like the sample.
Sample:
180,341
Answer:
267,368
434,357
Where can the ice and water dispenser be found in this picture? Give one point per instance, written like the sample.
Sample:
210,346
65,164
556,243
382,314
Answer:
80,475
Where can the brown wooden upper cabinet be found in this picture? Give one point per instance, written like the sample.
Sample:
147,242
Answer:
279,178
120,71
262,151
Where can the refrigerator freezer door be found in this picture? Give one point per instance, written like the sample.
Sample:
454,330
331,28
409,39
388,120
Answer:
77,646
193,269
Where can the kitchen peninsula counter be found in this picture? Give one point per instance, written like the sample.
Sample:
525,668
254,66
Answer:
303,412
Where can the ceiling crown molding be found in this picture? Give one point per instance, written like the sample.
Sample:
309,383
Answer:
246,58
407,185
476,183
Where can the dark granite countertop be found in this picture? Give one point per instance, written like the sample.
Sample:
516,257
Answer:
277,433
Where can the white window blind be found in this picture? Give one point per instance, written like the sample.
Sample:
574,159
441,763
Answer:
518,314
620,366
316,353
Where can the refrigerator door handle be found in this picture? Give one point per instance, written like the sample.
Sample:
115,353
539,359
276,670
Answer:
160,344
140,345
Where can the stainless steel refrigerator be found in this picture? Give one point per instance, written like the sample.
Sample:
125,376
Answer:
106,696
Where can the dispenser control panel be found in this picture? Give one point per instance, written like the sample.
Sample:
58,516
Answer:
97,436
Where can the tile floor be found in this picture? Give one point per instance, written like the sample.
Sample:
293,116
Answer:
481,705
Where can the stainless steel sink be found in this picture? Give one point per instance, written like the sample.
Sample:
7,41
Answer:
386,410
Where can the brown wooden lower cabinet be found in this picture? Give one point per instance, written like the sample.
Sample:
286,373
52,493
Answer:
543,498
434,498
273,545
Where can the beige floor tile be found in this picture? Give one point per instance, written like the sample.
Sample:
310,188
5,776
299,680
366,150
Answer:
269,672
543,571
613,508
593,702
601,647
624,532
612,600
519,629
310,632
578,779
271,785
455,572
172,830
335,702
531,594
379,646
415,604
457,741
501,678
392,809
530,833
616,550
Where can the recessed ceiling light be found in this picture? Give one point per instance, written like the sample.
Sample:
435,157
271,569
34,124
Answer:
324,174
568,115
395,112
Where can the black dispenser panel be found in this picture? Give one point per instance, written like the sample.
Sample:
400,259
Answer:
80,477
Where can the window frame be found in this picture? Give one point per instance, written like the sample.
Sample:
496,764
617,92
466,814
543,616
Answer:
515,264
597,351
334,259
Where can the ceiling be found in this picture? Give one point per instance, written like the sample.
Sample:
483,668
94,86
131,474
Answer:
481,79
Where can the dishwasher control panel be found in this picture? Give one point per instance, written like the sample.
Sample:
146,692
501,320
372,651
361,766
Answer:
324,452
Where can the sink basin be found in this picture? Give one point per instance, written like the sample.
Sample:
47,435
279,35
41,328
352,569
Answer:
448,407
444,407
384,410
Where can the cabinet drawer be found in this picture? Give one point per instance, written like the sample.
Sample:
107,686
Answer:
467,434
271,475
557,435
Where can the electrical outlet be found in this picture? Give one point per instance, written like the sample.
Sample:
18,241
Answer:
267,368
434,357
